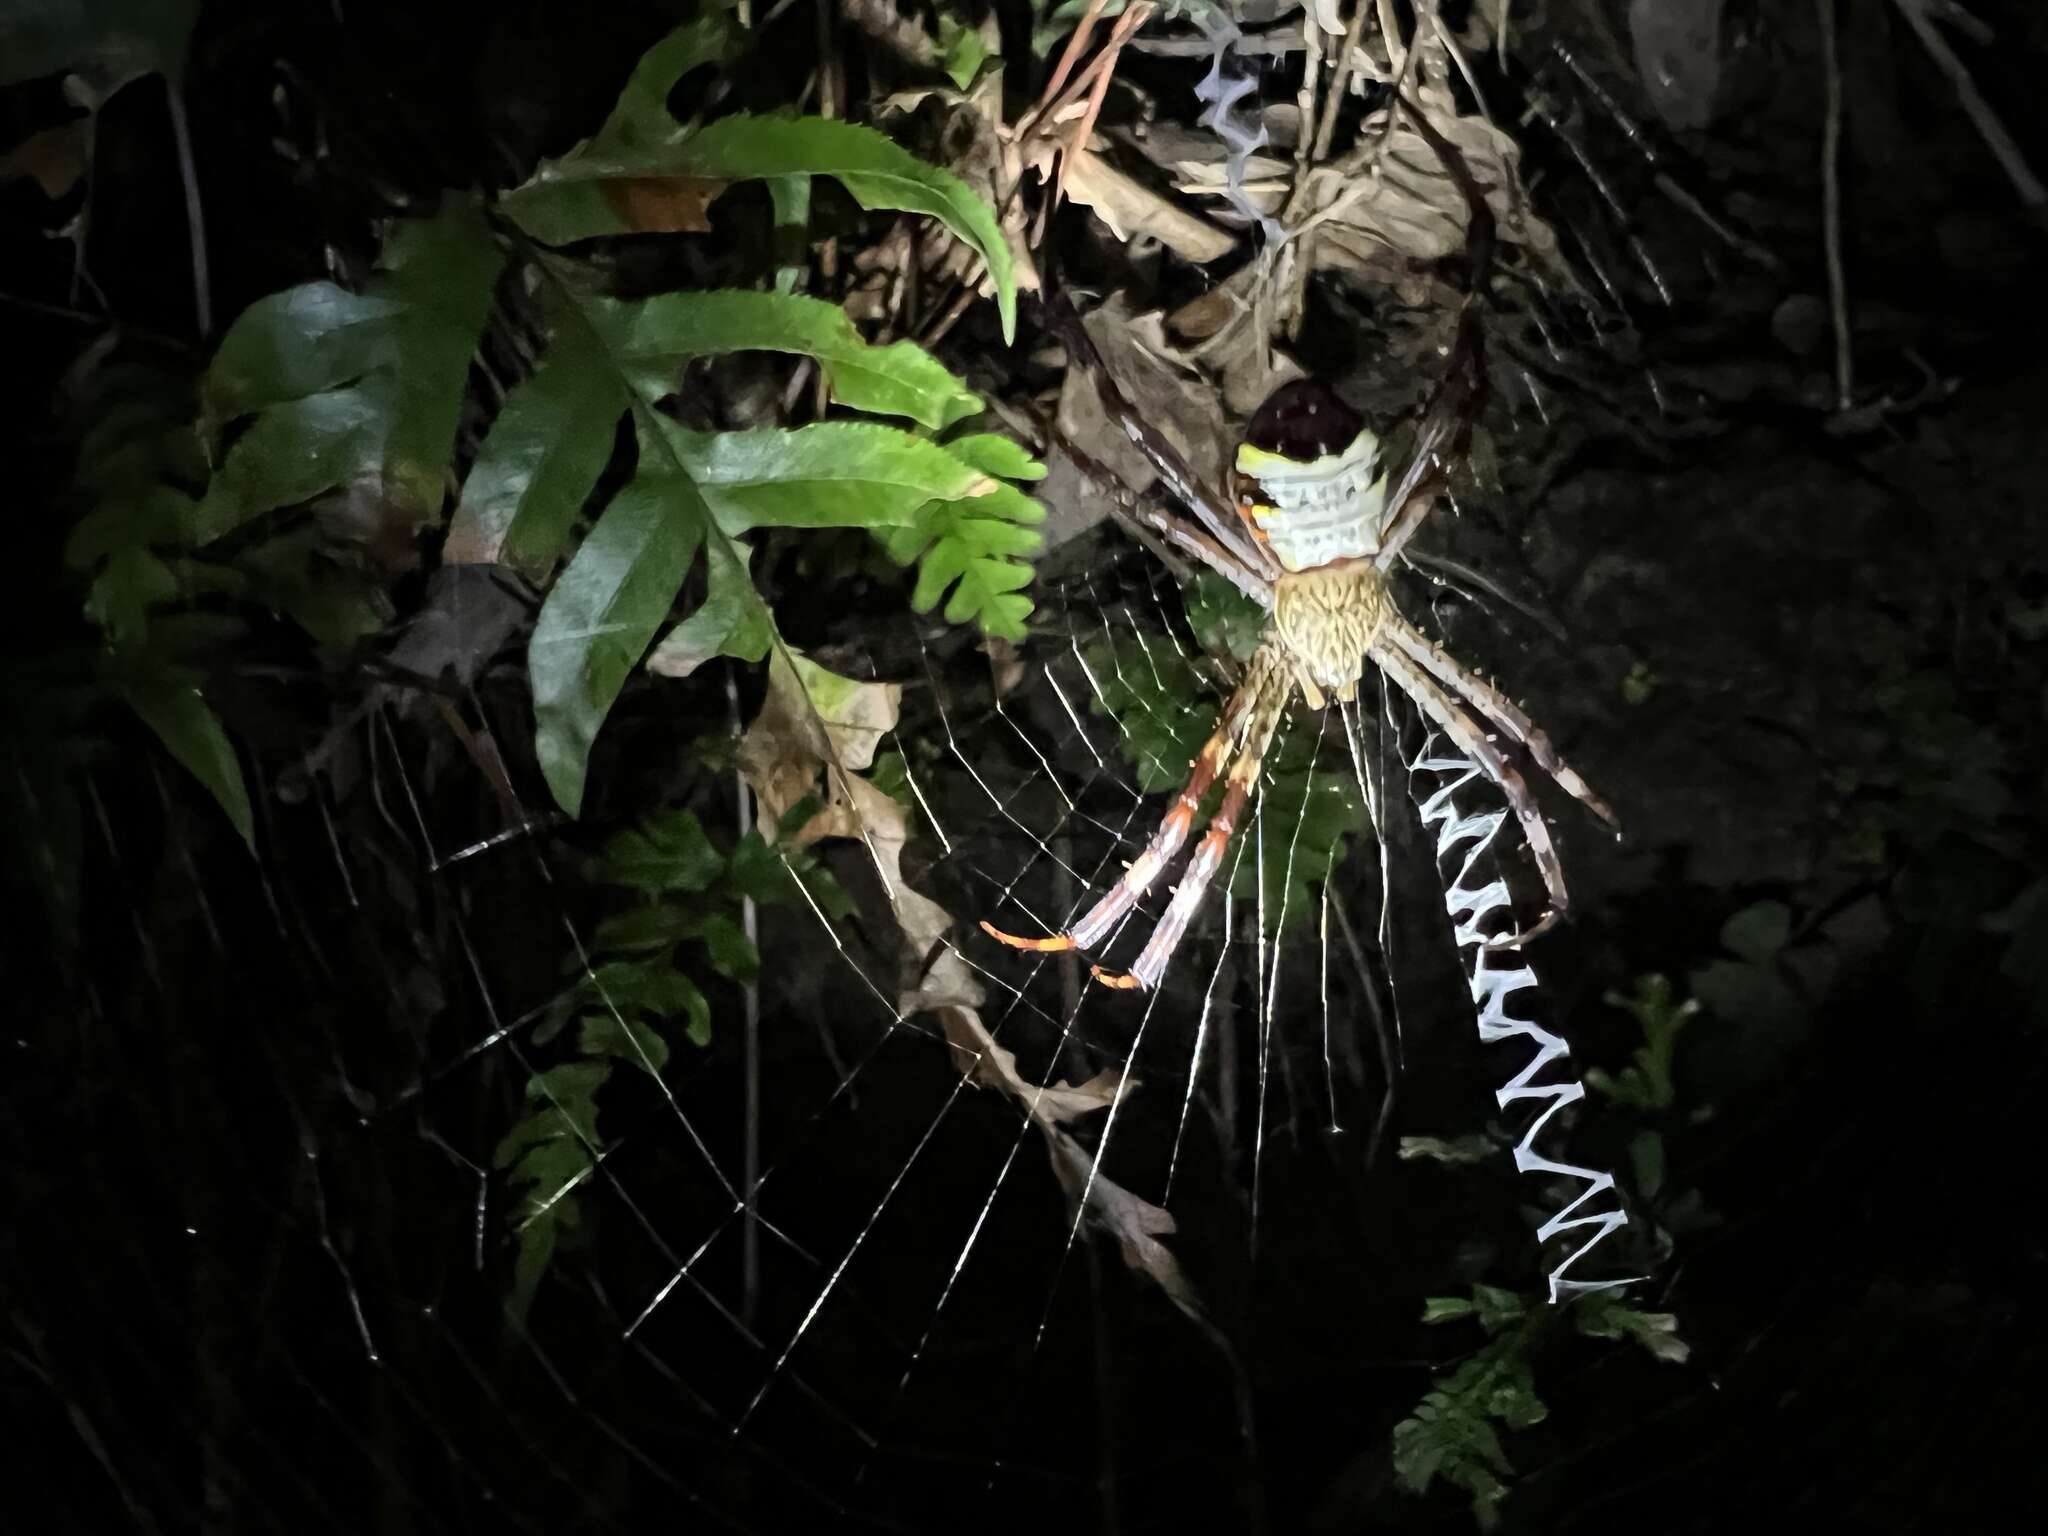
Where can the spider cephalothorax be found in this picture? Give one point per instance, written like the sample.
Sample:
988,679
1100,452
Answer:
1311,529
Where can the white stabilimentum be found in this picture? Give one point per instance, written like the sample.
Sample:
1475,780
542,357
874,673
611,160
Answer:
1480,912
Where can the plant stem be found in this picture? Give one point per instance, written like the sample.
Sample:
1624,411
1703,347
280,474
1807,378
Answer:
195,217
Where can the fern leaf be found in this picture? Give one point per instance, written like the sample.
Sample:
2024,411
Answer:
346,389
654,337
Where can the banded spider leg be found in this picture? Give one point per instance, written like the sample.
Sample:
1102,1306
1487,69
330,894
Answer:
1236,751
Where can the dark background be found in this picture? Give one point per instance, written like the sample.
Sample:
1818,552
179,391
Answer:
255,1270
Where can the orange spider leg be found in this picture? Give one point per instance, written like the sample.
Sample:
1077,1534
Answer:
1465,733
1499,708
1194,885
1173,831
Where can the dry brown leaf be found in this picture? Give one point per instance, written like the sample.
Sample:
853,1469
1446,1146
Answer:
1161,382
815,724
1412,208
664,205
1137,1225
1129,207
811,719
55,157
979,1058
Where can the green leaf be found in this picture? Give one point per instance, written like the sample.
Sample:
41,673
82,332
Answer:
654,338
875,170
541,459
975,546
1306,813
773,876
1497,1308
1459,1152
836,474
604,1033
345,391
669,852
599,617
191,734
790,199
731,621
132,582
648,984
641,116
1163,708
1227,622
133,517
1599,1316
1451,1433
994,454
657,926
732,953
961,51
1647,1083
568,1094
549,1154
1446,1309
589,193
442,269
304,341
652,986
291,454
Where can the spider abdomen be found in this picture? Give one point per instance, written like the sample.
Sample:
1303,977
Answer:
1308,478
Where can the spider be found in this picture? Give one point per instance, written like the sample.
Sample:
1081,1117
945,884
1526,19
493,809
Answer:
1311,531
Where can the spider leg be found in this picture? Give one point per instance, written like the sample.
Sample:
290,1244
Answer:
1461,390
1466,734
1219,520
1497,707
1173,830
1201,870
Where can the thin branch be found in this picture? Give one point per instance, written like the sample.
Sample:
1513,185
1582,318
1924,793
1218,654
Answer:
1339,81
195,218
1993,132
1831,207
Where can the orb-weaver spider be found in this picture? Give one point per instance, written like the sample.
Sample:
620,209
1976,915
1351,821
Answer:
1312,532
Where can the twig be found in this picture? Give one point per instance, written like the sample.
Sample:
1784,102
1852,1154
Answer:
1831,207
1740,244
1340,80
2000,143
1276,43
1311,81
195,219
750,1001
1069,55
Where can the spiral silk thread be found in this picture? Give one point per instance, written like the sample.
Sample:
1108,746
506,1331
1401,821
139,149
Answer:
1222,89
1479,912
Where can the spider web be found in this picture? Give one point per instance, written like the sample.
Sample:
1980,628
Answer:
885,1296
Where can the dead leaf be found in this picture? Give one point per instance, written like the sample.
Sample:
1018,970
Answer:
979,1058
1410,206
1129,207
1161,382
55,157
1137,1225
664,205
811,719
1678,54
816,725
1006,665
